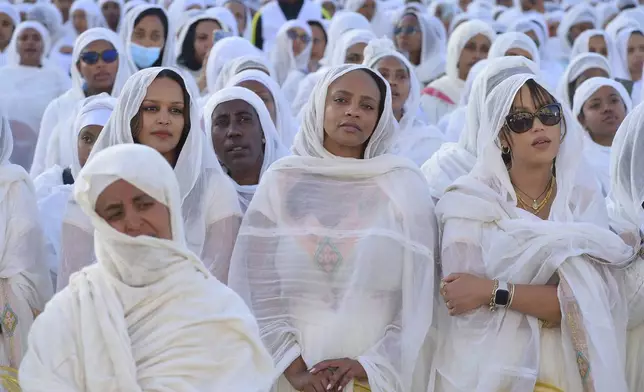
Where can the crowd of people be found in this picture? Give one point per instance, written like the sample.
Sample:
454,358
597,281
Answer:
321,195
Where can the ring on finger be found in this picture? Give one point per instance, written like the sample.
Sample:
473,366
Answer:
449,306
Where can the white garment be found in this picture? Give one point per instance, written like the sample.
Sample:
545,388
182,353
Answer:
282,56
285,125
210,208
249,62
222,52
52,148
121,5
578,66
273,147
179,7
168,58
604,12
380,23
433,48
336,280
484,233
273,19
148,316
11,11
513,40
442,95
225,18
25,282
249,19
342,22
621,68
579,13
581,46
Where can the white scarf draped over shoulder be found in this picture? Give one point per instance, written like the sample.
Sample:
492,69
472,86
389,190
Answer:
327,278
148,316
484,233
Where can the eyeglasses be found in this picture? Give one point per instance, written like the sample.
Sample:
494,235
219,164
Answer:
108,56
293,35
521,122
409,30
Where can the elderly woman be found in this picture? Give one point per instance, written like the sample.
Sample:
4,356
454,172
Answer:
148,315
343,292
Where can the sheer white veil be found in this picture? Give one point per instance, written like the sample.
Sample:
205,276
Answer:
514,40
577,66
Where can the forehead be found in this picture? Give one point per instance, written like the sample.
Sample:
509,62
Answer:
597,39
523,100
150,22
357,47
118,191
232,107
390,62
207,24
298,30
98,45
165,89
29,31
636,38
409,19
4,16
478,39
604,91
358,81
254,85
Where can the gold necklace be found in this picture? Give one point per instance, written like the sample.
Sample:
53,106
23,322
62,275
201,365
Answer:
537,206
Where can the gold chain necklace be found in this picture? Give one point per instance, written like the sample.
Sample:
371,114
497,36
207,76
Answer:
537,206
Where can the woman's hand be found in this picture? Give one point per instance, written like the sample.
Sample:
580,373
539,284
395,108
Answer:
344,371
201,80
464,292
308,382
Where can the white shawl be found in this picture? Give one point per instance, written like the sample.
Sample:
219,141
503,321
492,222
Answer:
514,40
342,21
9,10
581,46
578,66
148,316
579,13
282,57
221,53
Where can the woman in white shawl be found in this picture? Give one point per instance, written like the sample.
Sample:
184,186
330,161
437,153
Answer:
156,108
375,13
9,20
99,67
29,84
194,43
630,49
231,68
244,138
581,68
422,39
532,305
243,16
468,44
25,284
223,52
291,53
579,18
600,105
330,279
148,315
148,38
415,139
340,24
597,41
114,13
269,92
605,12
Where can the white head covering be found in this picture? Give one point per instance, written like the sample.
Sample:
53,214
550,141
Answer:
342,22
309,141
93,13
434,41
226,18
622,52
457,41
167,56
9,10
282,55
577,66
380,23
621,21
347,40
536,23
121,5
581,45
243,63
273,148
284,123
514,40
249,20
49,16
604,12
13,58
179,7
590,87
580,13
224,51
183,32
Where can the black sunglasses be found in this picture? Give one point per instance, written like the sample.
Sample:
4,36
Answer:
521,122
108,56
409,30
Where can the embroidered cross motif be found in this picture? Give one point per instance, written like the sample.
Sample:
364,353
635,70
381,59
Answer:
327,256
9,321
583,365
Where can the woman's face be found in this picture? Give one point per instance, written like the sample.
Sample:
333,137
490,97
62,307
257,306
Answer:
319,43
162,116
368,9
86,139
6,30
397,74
519,52
133,212
475,49
239,11
577,29
355,53
537,146
30,47
99,76
79,20
112,14
635,55
204,38
264,93
237,136
603,113
350,113
299,39
552,28
149,32
408,34
597,44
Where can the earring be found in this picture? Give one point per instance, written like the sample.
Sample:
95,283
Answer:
505,150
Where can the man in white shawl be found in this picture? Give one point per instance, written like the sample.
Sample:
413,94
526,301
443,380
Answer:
148,316
335,253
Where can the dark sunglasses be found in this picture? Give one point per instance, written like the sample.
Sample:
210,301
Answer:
108,56
521,122
293,35
409,30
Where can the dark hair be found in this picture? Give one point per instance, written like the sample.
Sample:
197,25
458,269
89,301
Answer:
382,88
164,21
135,122
187,56
318,24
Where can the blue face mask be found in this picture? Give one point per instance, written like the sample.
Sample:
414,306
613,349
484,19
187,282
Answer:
144,57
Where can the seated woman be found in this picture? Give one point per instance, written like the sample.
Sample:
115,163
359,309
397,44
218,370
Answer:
600,105
147,39
156,108
243,137
335,254
291,55
148,316
581,68
194,43
630,49
525,248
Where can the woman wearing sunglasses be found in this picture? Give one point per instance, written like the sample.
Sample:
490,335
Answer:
291,55
97,68
529,301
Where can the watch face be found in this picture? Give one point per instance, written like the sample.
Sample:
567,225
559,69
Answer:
502,297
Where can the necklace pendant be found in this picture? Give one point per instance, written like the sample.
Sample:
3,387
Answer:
535,205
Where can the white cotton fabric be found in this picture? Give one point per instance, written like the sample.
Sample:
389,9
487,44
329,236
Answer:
148,316
249,19
484,233
604,12
380,23
93,13
451,85
581,46
598,156
578,66
282,57
368,295
579,13
25,282
285,125
243,63
347,40
9,10
621,69
49,16
209,202
434,41
52,148
513,40
183,32
179,7
221,53
454,160
228,21
168,58
621,21
416,140
340,23
121,5
273,147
